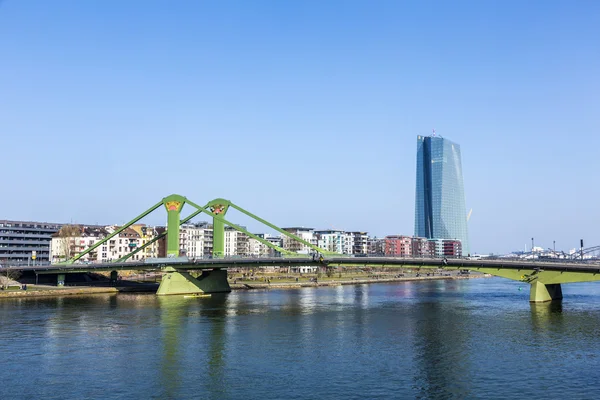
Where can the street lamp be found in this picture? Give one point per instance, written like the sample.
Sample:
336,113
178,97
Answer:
532,256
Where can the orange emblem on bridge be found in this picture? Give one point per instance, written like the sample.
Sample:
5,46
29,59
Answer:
173,205
218,209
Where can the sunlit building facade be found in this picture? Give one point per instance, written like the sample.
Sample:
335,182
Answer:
440,211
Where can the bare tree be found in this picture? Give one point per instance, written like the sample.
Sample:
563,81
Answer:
8,276
66,236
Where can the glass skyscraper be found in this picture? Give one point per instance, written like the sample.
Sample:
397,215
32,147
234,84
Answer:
440,211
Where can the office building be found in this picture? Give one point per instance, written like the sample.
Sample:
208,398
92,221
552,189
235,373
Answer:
23,242
440,211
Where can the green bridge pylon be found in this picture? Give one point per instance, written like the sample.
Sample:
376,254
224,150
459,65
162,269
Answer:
176,279
182,282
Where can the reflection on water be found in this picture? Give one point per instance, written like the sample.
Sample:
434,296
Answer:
431,340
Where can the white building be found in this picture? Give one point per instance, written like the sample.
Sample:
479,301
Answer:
259,249
196,241
335,241
360,242
306,234
236,243
120,245
147,233
64,248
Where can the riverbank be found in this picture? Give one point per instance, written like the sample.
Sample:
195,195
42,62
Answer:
124,287
73,291
340,282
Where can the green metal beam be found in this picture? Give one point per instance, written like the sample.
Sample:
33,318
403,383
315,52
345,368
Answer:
239,228
128,256
121,229
270,225
162,235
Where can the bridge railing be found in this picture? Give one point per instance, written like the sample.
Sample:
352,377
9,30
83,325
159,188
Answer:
315,256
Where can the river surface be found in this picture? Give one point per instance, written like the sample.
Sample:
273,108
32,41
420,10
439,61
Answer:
459,339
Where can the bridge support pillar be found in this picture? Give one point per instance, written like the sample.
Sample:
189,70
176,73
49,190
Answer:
218,238
181,282
541,293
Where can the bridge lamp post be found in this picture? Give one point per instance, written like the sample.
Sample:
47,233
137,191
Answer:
532,255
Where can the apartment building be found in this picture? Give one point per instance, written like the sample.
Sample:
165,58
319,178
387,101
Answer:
20,239
360,243
447,247
82,238
422,247
147,234
335,241
306,234
398,246
196,241
236,243
257,248
375,246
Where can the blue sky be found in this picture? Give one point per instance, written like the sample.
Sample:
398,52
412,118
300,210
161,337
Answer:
304,112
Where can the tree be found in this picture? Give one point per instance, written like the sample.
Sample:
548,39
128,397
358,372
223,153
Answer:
66,244
8,276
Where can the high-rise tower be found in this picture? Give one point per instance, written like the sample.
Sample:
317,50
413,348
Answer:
440,210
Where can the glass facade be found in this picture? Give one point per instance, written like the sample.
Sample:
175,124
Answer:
440,211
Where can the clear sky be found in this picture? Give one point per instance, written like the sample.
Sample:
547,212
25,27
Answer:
304,112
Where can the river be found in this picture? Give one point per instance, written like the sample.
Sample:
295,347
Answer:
447,339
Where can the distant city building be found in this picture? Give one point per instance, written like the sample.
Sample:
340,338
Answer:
18,239
447,247
259,249
120,245
306,234
51,243
335,241
375,246
236,243
147,233
408,246
360,243
440,211
79,239
275,240
422,247
196,240
398,246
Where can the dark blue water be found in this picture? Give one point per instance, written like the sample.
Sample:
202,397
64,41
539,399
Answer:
467,339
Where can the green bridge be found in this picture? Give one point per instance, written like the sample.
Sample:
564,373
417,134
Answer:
545,278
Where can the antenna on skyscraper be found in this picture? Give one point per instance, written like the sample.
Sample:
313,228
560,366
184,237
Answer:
433,133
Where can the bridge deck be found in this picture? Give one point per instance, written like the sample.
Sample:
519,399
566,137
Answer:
199,264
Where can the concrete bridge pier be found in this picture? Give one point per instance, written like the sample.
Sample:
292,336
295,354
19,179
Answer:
541,292
182,282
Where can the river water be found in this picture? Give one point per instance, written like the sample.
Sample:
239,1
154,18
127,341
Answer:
458,339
